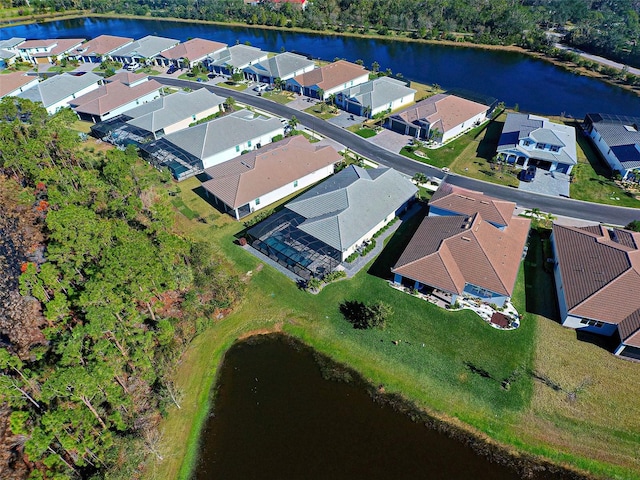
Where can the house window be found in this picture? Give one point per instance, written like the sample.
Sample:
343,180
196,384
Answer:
257,201
554,148
295,183
237,148
249,143
540,146
194,117
526,143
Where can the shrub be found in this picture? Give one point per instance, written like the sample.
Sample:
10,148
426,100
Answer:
363,316
258,218
335,275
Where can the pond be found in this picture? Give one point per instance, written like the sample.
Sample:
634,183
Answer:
276,417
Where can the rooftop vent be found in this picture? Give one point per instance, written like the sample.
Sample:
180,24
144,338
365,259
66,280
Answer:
631,128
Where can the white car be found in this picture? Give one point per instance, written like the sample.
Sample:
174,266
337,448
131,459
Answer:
132,67
261,87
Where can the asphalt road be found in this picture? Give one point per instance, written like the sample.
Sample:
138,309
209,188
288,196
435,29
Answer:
555,205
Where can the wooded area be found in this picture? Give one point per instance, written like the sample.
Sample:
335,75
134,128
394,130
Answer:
607,27
88,236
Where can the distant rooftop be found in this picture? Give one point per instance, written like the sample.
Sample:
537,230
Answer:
56,88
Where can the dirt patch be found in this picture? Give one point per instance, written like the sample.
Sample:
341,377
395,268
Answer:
277,328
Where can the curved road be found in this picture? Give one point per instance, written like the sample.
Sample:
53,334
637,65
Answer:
555,205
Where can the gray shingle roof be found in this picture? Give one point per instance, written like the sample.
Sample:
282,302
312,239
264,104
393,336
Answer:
281,65
622,134
56,88
146,47
519,126
378,93
11,42
344,208
211,138
171,109
237,56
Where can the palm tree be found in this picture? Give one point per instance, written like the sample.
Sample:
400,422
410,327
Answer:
366,111
375,66
419,178
293,122
278,83
229,103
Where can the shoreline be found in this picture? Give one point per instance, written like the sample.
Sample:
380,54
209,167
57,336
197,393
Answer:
568,66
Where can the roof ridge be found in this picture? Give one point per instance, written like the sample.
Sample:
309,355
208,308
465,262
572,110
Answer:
479,219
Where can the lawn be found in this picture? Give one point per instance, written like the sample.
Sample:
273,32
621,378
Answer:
365,132
429,365
148,71
18,67
281,97
194,78
321,112
60,69
238,87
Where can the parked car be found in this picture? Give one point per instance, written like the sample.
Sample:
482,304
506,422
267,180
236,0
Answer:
260,87
172,69
132,67
529,174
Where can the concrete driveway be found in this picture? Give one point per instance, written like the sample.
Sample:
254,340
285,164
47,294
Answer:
555,184
389,140
302,103
345,119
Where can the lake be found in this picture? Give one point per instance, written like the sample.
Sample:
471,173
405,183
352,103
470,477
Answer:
276,417
534,85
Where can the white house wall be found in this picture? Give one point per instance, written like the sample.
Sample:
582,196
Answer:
232,152
182,124
368,235
606,152
288,189
51,109
464,126
351,83
132,104
23,88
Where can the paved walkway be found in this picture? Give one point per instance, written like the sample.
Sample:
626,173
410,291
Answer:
601,60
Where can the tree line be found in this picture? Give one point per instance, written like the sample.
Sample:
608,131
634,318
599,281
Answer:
121,295
607,27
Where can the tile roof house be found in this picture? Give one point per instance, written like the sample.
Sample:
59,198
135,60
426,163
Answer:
462,253
55,92
114,98
48,50
260,178
234,59
195,50
189,151
375,96
283,66
139,51
14,83
439,118
95,49
597,274
328,80
9,50
618,140
528,139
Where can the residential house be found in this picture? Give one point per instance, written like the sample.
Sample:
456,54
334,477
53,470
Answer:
381,95
48,50
95,50
283,66
189,151
114,98
260,178
618,141
597,271
55,92
195,51
234,59
472,246
300,4
321,228
159,117
528,139
439,118
328,80
14,83
144,50
9,51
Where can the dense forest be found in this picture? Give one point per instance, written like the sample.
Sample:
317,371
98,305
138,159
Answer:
98,299
607,27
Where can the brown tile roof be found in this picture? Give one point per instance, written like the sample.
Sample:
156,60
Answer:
112,95
63,45
39,43
450,251
193,49
600,272
468,202
12,81
442,110
245,178
126,77
103,44
629,329
332,75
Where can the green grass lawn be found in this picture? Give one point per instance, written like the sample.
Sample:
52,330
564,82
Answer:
61,69
365,132
194,78
279,97
148,71
18,67
233,86
316,111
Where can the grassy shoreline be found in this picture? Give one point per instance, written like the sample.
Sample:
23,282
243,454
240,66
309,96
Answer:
516,420
394,37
